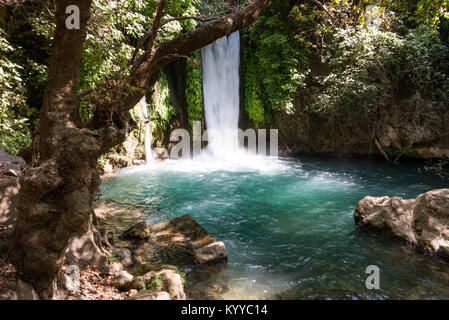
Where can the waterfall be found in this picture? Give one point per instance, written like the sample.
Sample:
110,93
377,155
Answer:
148,152
221,84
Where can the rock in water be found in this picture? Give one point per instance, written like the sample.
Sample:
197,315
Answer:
183,236
139,231
422,222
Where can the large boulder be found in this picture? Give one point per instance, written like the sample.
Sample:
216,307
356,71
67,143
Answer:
422,222
184,241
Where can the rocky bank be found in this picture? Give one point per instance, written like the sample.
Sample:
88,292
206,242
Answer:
422,222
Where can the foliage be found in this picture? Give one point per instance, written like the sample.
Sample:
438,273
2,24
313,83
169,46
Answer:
161,111
154,283
275,63
194,90
14,132
370,68
359,65
417,12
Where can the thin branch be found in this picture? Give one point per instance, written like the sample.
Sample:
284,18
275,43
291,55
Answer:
147,34
202,19
156,24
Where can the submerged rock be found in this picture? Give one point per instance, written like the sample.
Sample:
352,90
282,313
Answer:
214,252
422,222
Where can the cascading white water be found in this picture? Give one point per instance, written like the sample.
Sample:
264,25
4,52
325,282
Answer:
221,83
148,152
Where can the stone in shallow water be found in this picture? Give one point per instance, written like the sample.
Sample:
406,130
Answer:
184,237
212,253
423,222
138,231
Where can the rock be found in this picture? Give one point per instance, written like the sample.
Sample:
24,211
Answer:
160,153
9,190
11,172
422,222
172,283
124,254
164,280
211,253
184,239
138,231
150,295
7,159
138,162
121,279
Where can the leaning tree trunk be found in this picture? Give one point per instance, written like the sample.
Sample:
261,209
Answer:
55,199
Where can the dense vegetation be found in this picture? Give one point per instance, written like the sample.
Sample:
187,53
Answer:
353,57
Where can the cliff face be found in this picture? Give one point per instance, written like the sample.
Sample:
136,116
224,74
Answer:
393,131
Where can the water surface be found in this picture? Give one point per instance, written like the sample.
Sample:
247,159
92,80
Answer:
288,226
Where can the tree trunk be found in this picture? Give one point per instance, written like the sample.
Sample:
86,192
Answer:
55,198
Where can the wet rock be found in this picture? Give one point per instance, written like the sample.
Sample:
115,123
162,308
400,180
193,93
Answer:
211,253
138,162
423,222
138,231
150,295
160,153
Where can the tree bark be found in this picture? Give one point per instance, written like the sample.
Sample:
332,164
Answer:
55,200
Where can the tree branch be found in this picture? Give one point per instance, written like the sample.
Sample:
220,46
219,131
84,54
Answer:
196,39
156,24
166,52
